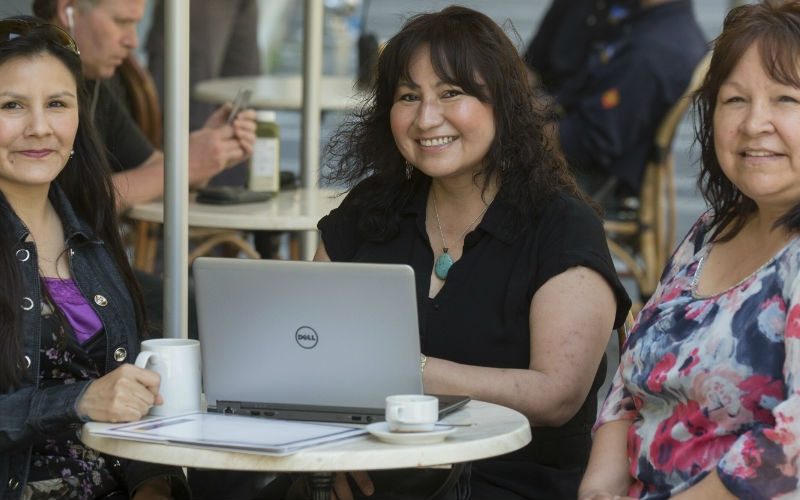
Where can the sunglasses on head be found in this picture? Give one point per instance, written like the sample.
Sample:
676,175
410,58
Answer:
11,29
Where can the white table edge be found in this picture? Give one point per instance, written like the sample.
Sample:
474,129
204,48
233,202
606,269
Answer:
249,216
338,456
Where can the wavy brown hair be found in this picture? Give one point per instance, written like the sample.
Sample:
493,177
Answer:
774,27
471,51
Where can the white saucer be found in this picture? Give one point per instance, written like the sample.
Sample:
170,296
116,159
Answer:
381,431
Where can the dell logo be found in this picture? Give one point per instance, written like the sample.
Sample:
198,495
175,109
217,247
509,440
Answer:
306,337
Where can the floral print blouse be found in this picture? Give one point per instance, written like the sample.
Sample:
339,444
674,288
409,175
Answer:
714,382
61,466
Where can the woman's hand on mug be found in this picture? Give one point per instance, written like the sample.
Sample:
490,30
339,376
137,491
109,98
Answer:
122,395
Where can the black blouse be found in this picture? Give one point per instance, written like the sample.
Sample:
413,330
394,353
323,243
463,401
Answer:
481,314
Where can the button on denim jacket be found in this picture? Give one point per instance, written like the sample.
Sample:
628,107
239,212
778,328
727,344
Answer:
28,411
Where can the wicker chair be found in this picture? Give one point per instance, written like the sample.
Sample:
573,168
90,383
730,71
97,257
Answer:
142,96
644,242
624,330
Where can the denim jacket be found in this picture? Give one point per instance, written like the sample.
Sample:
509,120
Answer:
27,411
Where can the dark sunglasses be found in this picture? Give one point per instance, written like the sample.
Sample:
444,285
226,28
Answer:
16,28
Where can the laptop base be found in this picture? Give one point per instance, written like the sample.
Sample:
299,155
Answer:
343,415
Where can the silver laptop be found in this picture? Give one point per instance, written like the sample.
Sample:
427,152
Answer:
308,340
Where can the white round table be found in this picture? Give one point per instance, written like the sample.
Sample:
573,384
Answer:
289,210
493,430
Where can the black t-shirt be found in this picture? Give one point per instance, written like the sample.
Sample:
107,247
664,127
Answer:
125,144
480,316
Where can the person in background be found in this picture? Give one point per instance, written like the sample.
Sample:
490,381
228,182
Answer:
569,32
106,32
706,401
453,174
222,42
609,110
70,311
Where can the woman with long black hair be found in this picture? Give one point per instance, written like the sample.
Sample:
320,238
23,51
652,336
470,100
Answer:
70,311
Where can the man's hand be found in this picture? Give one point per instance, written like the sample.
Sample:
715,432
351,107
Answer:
244,125
218,146
341,488
122,395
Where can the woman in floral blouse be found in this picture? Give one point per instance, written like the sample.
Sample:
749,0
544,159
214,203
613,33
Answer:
706,402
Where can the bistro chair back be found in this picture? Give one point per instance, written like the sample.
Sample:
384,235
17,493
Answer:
623,331
643,243
142,95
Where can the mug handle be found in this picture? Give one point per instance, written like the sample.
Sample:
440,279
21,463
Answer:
393,412
144,357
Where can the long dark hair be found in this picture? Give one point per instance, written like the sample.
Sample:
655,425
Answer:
86,181
470,50
775,27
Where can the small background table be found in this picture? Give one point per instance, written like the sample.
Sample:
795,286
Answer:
290,210
285,93
494,430
280,92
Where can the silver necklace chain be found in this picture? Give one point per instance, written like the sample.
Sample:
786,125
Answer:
439,224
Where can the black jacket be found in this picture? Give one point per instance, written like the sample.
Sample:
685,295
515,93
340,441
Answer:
28,411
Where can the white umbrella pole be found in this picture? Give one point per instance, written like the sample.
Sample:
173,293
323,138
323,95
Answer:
176,170
312,76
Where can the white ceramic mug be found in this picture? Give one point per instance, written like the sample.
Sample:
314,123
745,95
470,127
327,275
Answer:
177,361
412,412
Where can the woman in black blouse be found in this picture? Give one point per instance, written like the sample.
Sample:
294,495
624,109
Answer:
456,174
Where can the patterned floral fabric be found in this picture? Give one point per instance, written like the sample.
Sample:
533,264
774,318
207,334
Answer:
61,466
714,382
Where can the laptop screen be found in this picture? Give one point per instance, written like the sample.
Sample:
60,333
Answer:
307,334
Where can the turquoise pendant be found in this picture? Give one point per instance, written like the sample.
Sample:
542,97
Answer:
443,265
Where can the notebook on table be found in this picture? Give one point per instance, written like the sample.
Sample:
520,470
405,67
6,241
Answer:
308,340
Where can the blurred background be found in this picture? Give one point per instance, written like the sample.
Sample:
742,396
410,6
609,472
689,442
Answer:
280,38
280,48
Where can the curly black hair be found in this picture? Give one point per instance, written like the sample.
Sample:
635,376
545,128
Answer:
470,50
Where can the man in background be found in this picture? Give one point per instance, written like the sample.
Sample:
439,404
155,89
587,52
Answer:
105,31
222,42
637,64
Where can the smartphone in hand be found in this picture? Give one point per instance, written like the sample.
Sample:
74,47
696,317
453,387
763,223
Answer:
241,101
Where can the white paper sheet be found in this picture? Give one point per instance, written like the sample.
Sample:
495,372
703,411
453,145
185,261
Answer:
262,435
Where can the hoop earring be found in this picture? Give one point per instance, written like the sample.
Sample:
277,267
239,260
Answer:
409,170
71,154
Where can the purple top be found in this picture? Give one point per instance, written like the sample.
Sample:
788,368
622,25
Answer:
80,315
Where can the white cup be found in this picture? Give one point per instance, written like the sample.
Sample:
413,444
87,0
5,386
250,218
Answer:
412,412
177,361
